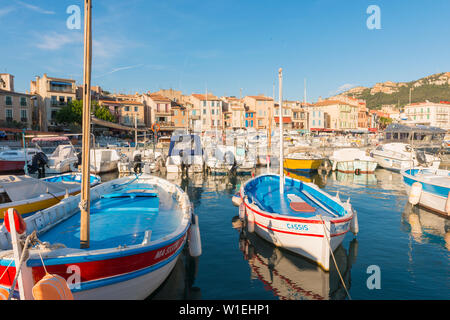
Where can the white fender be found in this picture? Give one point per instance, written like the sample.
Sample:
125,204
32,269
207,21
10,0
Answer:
354,226
242,210
447,204
195,244
415,193
250,221
236,199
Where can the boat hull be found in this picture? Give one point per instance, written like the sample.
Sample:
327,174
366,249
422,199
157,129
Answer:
361,166
432,197
11,166
303,165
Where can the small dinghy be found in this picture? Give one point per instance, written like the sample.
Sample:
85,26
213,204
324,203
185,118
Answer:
28,195
139,226
429,188
304,220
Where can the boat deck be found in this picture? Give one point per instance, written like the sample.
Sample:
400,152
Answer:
266,194
121,218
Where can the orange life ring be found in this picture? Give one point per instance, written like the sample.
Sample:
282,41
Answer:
19,222
158,127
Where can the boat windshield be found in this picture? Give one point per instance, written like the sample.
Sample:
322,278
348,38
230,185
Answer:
49,145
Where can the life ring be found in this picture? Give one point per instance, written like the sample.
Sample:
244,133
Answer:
156,127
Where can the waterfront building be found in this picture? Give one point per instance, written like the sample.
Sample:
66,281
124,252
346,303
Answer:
210,109
338,115
286,116
299,115
428,113
51,94
234,116
262,107
158,110
14,106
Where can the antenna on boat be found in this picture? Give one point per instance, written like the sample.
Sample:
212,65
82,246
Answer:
280,118
85,168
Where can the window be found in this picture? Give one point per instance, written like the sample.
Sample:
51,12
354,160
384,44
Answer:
204,103
136,109
23,101
127,108
53,100
175,112
9,114
193,112
314,122
204,111
23,115
251,123
69,99
212,111
8,101
320,122
61,100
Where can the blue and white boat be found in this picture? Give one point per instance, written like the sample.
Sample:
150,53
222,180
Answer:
139,226
429,188
304,219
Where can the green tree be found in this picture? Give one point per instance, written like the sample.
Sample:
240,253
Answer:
73,113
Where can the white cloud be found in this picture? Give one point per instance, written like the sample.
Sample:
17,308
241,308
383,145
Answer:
120,69
34,8
55,41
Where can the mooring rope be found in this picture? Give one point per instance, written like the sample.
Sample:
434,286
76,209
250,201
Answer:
334,259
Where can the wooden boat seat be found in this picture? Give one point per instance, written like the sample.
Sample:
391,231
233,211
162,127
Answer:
299,205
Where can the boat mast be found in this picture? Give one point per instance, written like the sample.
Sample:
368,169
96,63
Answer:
85,168
280,118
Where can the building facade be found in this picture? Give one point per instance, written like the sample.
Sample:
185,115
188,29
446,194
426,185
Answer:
429,113
51,94
262,107
338,115
14,106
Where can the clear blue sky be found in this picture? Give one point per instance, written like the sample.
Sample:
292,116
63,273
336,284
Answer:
145,45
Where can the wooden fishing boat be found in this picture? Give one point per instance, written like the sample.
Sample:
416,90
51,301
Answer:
139,226
303,219
429,188
28,195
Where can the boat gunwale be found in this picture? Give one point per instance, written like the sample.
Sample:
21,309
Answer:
89,255
285,217
404,174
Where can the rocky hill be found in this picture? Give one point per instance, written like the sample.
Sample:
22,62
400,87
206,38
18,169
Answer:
434,88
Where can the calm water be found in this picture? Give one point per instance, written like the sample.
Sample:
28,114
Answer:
407,244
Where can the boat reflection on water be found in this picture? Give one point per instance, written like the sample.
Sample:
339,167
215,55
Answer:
179,284
427,226
291,277
314,177
389,180
366,179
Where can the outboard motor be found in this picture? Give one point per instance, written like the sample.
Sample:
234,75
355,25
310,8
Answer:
421,158
38,163
137,163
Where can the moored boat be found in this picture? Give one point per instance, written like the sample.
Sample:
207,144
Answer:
429,188
302,162
28,195
304,219
14,160
139,227
352,160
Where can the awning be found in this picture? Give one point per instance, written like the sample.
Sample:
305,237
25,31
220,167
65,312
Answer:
285,119
112,125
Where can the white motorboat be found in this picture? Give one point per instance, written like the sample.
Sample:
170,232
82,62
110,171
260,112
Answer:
352,160
60,153
104,160
185,150
398,156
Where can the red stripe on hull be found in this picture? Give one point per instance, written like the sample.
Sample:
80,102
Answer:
96,270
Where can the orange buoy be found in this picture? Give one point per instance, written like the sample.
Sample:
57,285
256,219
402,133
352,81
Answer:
52,287
19,223
4,294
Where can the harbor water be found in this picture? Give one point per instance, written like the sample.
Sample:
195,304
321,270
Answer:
400,252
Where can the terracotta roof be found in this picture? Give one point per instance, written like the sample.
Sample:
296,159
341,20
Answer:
328,103
202,96
261,98
120,102
158,97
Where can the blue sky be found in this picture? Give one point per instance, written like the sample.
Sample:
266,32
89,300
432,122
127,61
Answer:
226,45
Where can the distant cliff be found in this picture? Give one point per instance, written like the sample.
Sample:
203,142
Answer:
433,88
